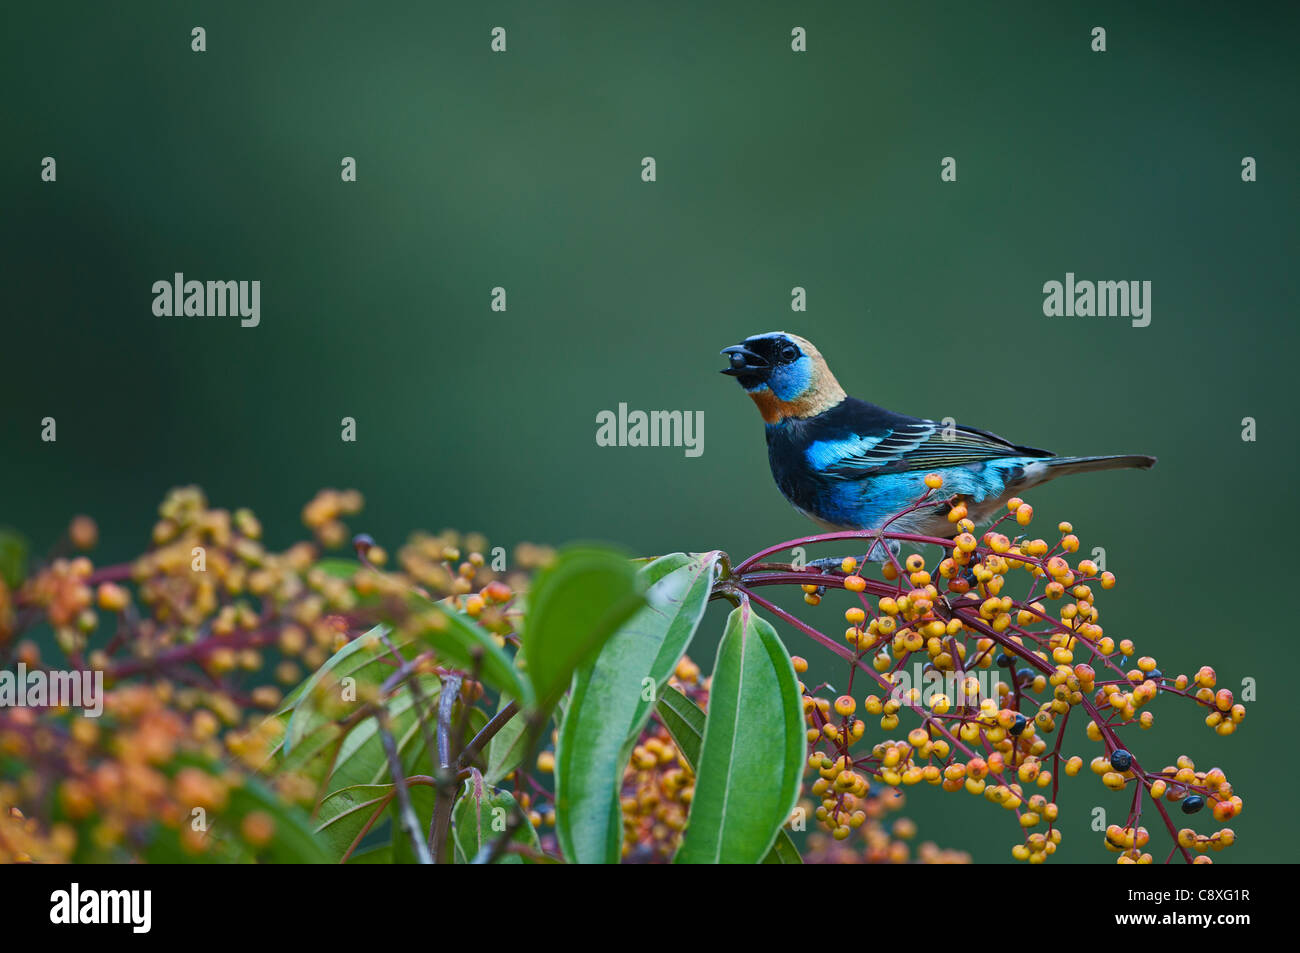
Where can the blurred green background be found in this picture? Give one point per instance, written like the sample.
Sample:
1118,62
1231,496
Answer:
775,169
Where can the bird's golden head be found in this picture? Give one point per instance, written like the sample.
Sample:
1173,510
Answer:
784,374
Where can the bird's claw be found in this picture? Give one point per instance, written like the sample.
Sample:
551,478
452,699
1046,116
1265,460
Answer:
828,564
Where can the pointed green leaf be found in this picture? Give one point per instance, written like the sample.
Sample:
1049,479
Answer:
13,558
345,569
347,661
361,758
378,854
346,812
573,607
465,644
783,851
685,722
611,701
508,746
481,815
422,800
753,750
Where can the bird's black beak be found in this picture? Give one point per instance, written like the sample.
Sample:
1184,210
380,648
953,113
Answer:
743,361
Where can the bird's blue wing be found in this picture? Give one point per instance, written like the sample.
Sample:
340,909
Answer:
910,446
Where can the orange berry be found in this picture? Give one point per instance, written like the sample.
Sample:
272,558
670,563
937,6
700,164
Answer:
83,532
112,597
258,828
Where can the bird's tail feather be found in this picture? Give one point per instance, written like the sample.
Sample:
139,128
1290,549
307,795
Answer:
1060,466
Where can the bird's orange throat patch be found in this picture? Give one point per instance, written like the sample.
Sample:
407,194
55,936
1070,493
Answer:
812,402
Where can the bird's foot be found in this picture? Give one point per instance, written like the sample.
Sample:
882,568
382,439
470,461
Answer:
883,549
880,552
828,564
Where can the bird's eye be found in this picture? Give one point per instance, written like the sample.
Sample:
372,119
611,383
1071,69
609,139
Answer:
789,353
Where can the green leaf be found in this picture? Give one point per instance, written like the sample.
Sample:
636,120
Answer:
13,558
345,569
347,661
378,854
508,746
319,743
343,814
685,722
293,840
573,607
457,639
422,799
460,641
481,814
611,701
476,720
361,758
783,851
753,751
338,759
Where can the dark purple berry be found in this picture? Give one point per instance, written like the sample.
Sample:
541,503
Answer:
1193,804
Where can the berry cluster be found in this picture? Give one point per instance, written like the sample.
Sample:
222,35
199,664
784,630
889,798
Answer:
989,656
658,782
196,639
998,738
